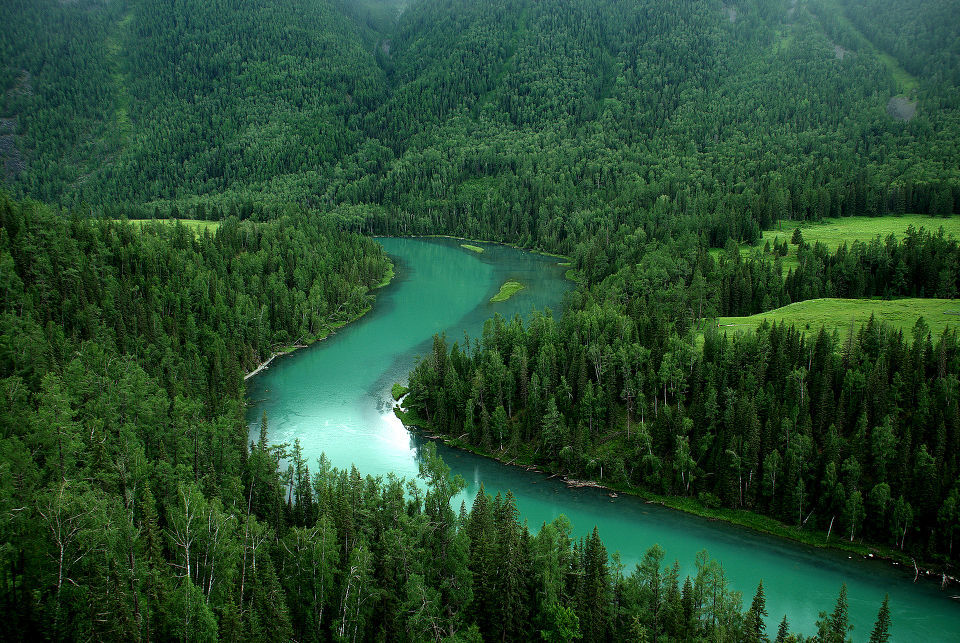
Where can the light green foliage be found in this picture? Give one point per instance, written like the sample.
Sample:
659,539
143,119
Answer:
198,227
472,248
398,390
507,290
844,315
833,232
563,626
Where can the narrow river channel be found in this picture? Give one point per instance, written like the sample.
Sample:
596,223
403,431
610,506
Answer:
335,397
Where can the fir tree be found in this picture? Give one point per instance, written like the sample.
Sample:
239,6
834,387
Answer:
881,630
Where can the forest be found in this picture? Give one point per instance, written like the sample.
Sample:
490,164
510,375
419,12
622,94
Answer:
132,506
648,141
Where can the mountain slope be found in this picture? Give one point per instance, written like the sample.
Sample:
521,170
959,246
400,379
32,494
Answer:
541,122
147,101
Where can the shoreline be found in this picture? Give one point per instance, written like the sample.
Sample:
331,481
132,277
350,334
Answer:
565,262
261,367
331,329
760,523
515,246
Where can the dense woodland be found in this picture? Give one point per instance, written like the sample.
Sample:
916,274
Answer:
857,433
132,507
547,123
634,136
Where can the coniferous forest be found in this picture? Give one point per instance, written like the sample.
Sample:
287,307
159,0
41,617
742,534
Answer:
649,142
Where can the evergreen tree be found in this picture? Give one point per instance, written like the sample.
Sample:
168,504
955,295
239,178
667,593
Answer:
881,629
754,623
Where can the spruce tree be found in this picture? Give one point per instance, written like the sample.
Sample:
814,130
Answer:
834,628
783,632
881,630
756,629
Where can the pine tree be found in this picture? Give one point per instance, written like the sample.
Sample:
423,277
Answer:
783,632
594,599
881,630
754,624
834,628
687,602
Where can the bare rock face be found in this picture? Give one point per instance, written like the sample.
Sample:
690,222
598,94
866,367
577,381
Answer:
731,13
901,108
9,125
11,161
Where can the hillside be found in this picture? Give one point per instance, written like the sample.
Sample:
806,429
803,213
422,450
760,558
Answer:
147,101
848,315
191,187
534,121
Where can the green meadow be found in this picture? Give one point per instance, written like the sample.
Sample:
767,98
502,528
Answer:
833,232
196,225
842,314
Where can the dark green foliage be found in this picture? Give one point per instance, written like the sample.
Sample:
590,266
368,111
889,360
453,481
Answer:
755,629
835,627
783,632
630,135
139,511
133,507
881,629
856,435
551,124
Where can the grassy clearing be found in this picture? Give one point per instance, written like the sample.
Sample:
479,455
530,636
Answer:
833,232
193,224
122,107
906,82
476,249
840,314
507,290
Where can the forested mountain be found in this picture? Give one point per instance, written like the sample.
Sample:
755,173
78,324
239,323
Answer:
543,122
633,136
151,100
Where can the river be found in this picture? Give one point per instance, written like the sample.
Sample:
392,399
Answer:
335,397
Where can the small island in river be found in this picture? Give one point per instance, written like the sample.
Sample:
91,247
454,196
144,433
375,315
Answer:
507,290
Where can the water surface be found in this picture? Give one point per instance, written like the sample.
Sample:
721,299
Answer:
335,397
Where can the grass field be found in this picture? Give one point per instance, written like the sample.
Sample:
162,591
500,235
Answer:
472,248
833,232
507,290
193,224
840,314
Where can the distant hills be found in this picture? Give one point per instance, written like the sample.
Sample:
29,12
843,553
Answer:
434,112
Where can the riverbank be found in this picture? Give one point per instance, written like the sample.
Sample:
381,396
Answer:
566,263
326,332
738,517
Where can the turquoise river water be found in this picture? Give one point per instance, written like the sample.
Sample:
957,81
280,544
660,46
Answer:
335,397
